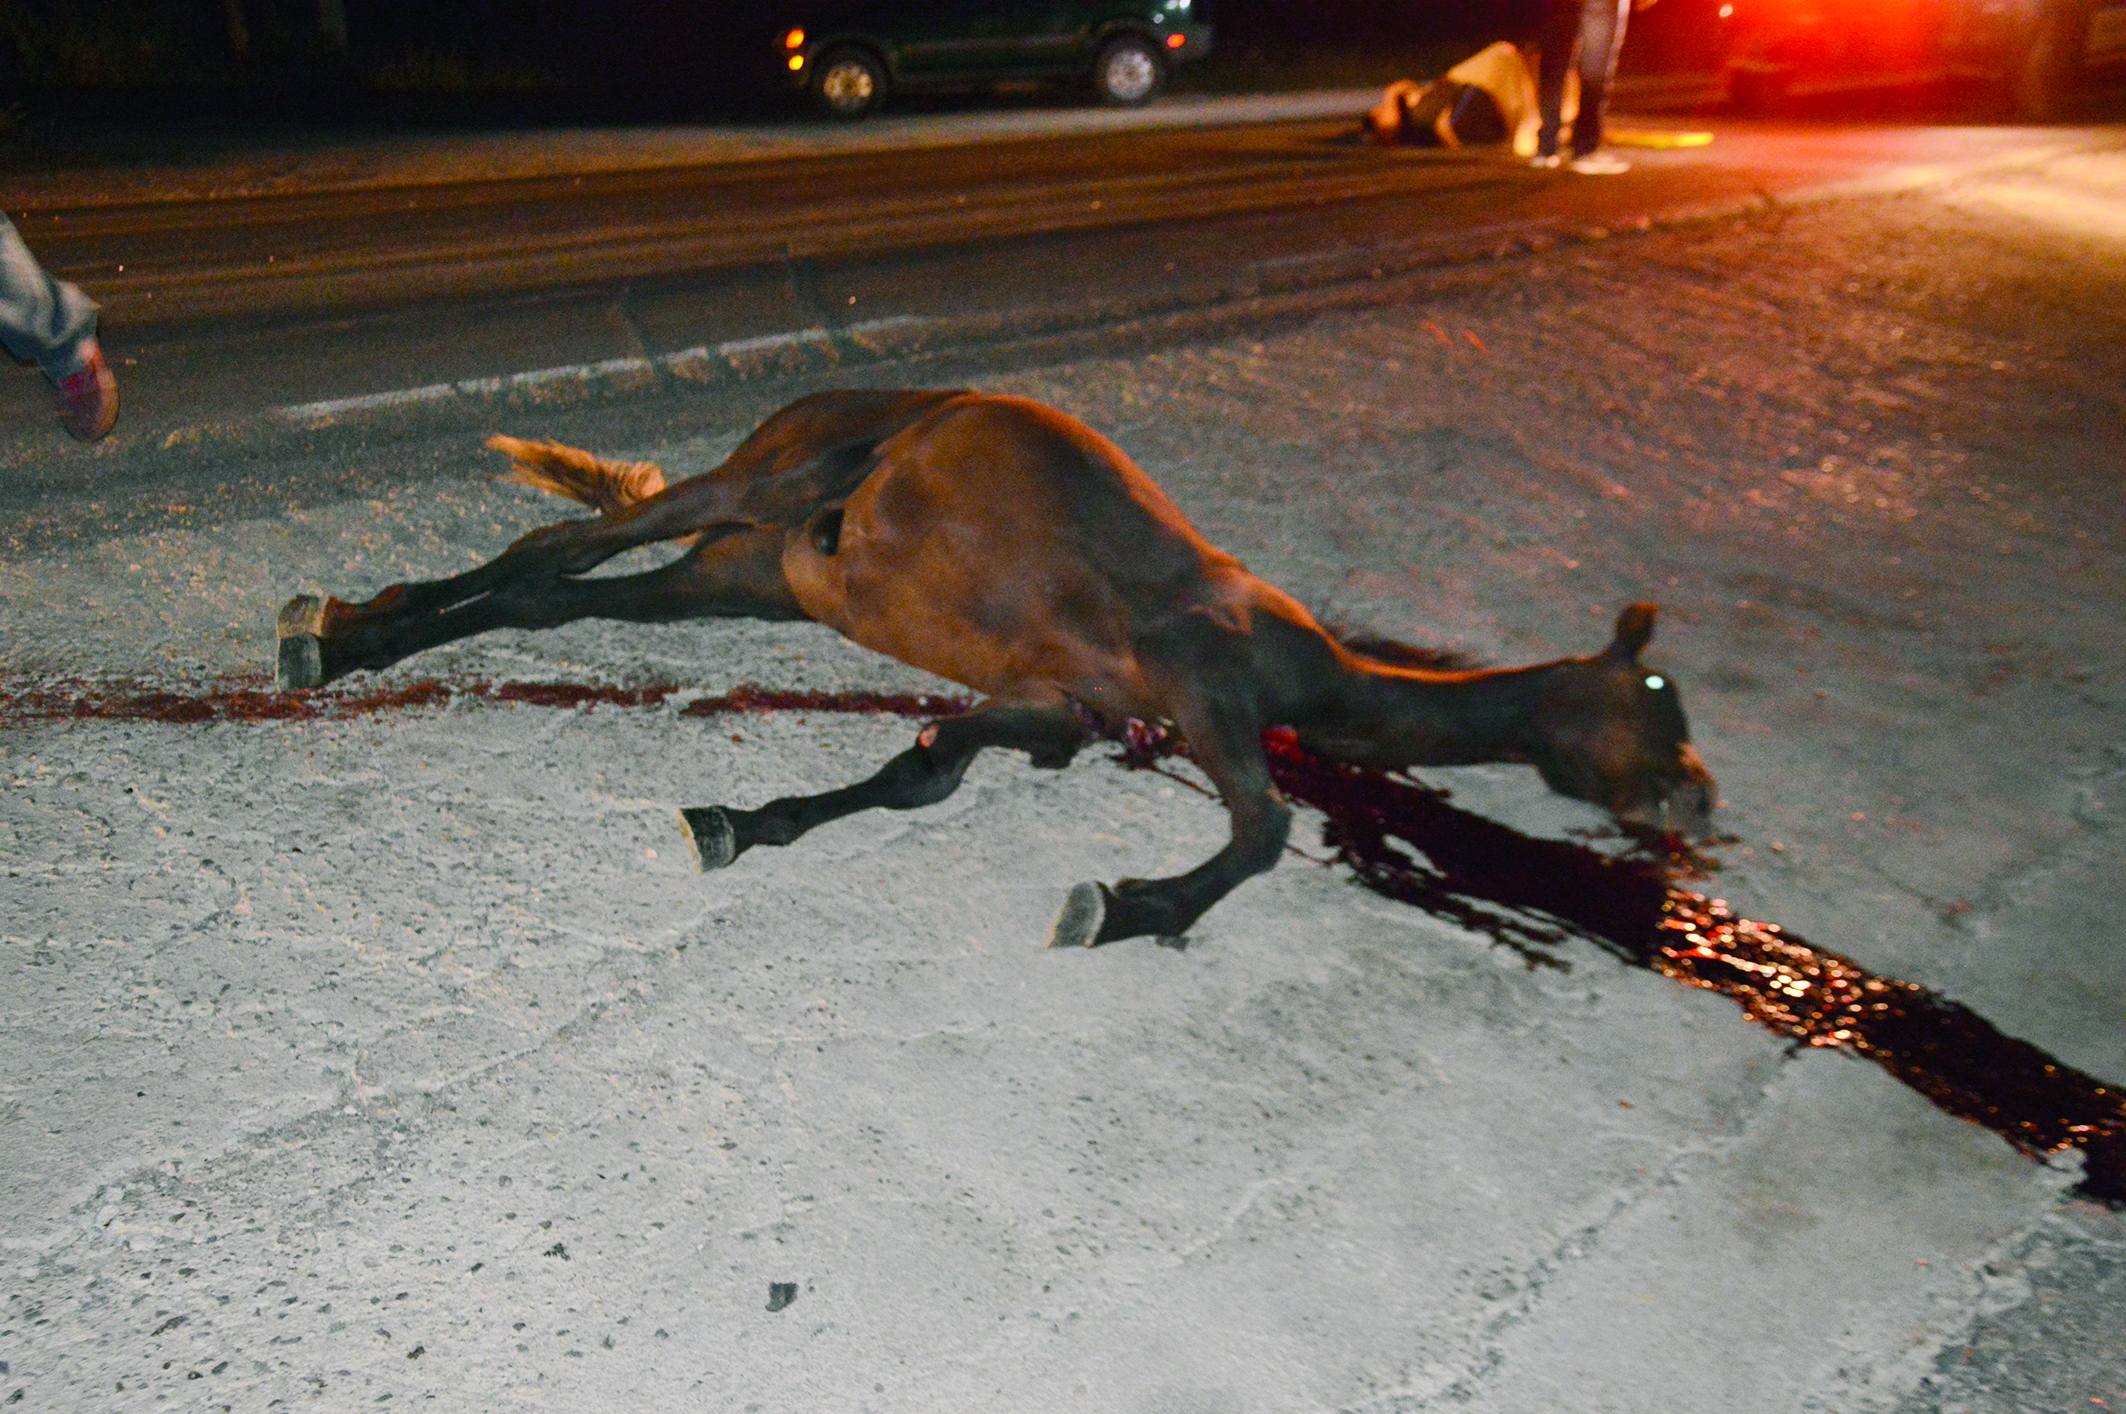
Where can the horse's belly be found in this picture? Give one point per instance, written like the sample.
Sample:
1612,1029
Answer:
1003,634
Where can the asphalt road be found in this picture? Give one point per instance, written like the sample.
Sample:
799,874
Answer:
295,253
162,260
247,281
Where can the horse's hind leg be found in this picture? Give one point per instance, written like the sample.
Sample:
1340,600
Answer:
922,775
815,450
547,551
1225,739
308,619
734,575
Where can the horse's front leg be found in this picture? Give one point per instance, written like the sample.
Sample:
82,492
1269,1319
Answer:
1225,738
737,574
922,775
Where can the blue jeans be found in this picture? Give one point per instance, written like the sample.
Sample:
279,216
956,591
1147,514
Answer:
1595,28
47,322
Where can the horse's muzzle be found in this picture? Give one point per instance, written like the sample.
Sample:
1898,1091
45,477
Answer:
1685,800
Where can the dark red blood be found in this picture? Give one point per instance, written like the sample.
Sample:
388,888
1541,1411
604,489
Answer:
1474,871
254,700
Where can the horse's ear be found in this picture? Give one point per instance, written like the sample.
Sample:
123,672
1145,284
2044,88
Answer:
1635,628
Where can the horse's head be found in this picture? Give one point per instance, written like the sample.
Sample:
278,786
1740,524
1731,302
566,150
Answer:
1610,732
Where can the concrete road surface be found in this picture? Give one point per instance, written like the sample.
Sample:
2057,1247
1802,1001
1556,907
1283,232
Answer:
394,1052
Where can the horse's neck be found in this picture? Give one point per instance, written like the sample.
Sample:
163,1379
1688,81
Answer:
1387,716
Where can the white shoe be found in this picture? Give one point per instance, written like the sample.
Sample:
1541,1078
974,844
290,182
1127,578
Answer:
1599,164
1546,163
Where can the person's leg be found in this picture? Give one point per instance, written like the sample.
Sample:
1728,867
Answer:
53,324
1475,119
42,321
1559,32
1601,33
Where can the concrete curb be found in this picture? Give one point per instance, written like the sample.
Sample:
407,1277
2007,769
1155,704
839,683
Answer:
1288,289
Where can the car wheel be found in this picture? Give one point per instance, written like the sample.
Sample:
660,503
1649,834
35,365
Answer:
2043,80
848,83
1758,91
1128,72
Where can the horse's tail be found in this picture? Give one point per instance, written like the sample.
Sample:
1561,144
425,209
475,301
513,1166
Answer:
608,487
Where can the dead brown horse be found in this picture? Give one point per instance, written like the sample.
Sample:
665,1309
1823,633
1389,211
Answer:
1004,545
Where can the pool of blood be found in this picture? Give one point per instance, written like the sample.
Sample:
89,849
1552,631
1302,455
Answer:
1407,841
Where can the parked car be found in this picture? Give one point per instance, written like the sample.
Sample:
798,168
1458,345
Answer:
2030,53
848,55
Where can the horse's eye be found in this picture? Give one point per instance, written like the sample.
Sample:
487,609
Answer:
1656,682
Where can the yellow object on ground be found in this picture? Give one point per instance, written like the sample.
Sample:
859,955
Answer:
1641,137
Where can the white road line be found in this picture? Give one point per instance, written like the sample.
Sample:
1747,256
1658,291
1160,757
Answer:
691,364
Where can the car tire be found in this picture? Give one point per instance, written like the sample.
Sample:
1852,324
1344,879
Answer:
848,83
2043,81
1128,72
1757,92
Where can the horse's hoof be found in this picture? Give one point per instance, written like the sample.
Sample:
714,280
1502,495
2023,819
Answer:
715,842
1078,925
304,614
300,664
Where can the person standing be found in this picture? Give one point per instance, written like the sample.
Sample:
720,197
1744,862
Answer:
52,324
1591,31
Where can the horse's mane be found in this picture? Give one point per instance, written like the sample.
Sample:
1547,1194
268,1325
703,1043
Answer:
1397,654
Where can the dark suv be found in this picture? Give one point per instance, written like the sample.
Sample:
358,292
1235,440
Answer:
848,54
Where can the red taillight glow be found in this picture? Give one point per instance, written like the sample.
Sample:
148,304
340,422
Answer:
1175,41
795,39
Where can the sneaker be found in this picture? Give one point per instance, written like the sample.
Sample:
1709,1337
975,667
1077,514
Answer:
88,400
1599,164
1545,163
